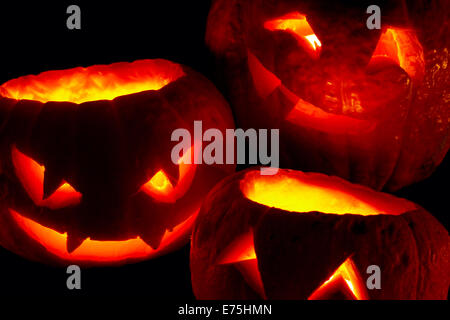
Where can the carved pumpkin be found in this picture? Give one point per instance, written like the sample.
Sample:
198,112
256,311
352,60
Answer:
301,235
370,106
86,174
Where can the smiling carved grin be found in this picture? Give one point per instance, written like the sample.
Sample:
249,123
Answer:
98,251
32,176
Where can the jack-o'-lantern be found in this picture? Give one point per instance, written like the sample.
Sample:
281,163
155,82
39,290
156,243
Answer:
299,235
370,106
87,175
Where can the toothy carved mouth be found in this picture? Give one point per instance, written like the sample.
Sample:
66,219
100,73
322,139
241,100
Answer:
303,112
95,251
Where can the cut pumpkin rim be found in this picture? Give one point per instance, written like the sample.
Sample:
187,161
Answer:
97,82
315,192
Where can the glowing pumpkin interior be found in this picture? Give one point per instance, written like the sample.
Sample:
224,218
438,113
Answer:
345,277
160,187
345,281
100,82
302,192
297,192
296,24
400,46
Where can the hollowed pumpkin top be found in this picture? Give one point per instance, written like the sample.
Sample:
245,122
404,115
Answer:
300,235
300,192
99,82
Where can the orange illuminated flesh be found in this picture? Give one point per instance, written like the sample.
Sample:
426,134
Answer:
296,24
351,279
240,249
299,192
31,175
100,82
303,112
265,81
403,47
98,251
295,191
161,189
241,253
159,186
309,115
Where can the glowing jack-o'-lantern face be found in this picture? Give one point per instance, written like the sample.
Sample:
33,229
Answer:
311,236
360,103
87,174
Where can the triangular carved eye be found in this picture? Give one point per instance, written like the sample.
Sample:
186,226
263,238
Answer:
240,249
241,254
344,282
160,186
297,24
402,47
34,179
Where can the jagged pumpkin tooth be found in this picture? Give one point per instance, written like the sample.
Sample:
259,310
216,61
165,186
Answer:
153,238
73,242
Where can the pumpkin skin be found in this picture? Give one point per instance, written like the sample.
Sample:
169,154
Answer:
370,106
86,174
261,237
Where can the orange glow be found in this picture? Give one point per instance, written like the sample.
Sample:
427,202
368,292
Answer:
309,115
159,184
314,41
241,253
98,251
31,175
352,280
403,47
161,189
100,82
265,81
296,191
296,24
240,249
250,272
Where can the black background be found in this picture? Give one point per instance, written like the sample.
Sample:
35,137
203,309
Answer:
34,38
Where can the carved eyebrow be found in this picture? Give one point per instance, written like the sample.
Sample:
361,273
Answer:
296,24
403,47
32,176
241,249
241,254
